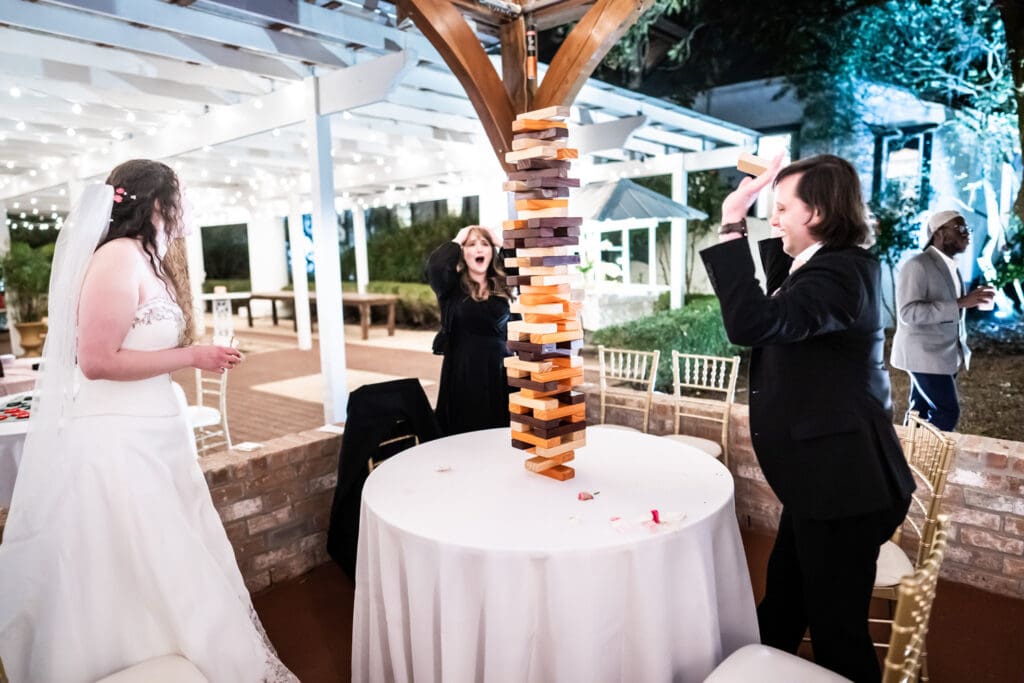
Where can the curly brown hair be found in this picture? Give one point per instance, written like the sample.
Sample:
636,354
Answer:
147,183
495,271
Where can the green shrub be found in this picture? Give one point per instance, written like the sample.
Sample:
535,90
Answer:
235,285
398,254
695,328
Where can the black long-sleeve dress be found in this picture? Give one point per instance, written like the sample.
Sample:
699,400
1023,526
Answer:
474,387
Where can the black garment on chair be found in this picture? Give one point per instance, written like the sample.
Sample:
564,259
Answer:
377,413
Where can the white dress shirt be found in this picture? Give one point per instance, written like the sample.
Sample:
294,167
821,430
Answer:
804,256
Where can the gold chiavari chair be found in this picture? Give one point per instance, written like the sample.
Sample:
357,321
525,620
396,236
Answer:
704,388
624,372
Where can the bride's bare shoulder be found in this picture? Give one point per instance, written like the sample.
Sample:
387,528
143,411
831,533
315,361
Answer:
121,251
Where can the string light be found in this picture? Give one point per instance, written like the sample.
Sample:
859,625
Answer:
76,108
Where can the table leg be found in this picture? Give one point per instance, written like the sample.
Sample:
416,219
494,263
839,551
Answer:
273,311
248,311
364,320
391,318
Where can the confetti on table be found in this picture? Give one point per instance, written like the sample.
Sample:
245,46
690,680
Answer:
443,468
587,495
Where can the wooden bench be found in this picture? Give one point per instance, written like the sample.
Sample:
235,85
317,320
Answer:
364,302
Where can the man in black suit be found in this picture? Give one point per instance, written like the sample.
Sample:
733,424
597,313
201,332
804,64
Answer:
820,404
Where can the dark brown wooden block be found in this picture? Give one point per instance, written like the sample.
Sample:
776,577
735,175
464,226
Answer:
541,232
547,242
521,445
570,397
524,383
535,423
528,164
561,430
546,134
571,260
554,222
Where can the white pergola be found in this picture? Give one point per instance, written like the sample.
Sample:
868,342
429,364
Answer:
272,108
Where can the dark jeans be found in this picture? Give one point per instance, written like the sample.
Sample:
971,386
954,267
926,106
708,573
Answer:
935,399
820,576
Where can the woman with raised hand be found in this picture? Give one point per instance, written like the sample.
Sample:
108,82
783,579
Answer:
470,286
113,552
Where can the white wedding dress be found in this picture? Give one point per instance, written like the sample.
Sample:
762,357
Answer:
132,561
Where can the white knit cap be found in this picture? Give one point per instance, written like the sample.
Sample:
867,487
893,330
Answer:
940,218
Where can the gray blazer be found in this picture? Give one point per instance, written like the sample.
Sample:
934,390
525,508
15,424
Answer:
930,332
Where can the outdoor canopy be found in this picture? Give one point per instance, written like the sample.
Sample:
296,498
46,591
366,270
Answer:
623,199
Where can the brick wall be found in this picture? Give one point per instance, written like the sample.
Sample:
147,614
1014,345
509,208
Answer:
984,496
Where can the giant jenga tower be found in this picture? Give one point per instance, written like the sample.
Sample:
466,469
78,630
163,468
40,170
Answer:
548,417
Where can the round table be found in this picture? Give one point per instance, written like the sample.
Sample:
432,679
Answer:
471,568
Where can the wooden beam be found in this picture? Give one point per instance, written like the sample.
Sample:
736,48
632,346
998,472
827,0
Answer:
452,37
585,47
513,65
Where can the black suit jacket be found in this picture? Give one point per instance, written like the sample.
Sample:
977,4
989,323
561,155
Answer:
820,403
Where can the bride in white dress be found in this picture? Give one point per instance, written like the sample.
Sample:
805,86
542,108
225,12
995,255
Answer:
113,552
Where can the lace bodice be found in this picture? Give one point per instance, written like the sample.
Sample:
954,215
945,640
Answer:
157,325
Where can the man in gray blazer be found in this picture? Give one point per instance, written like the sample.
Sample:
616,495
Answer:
931,339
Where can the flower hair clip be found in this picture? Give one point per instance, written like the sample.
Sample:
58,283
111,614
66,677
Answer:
120,195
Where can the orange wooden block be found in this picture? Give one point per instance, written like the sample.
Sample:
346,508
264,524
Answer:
536,299
559,374
568,362
578,441
561,411
527,437
534,204
512,372
546,289
520,125
517,409
568,153
555,337
529,366
513,225
559,473
560,389
540,463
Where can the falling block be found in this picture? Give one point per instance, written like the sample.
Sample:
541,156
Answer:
751,164
534,204
540,463
559,473
526,143
521,124
546,134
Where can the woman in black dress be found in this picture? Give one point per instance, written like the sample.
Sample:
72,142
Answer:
474,299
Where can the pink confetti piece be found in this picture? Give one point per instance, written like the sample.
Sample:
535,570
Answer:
584,495
655,517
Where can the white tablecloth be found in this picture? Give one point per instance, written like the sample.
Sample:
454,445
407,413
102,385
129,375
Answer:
487,572
12,441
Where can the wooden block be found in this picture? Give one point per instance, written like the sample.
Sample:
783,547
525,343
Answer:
523,125
537,441
535,424
540,464
546,134
541,242
512,362
568,279
566,428
518,409
566,260
535,318
532,164
535,403
750,164
514,186
530,233
552,182
571,398
553,290
512,373
535,349
542,193
543,270
569,362
515,225
535,204
555,308
560,411
559,389
547,354
563,221
535,173
555,112
518,327
554,337
578,440
544,213
527,143
525,384
549,151
545,251
536,299
559,374
568,325
559,473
